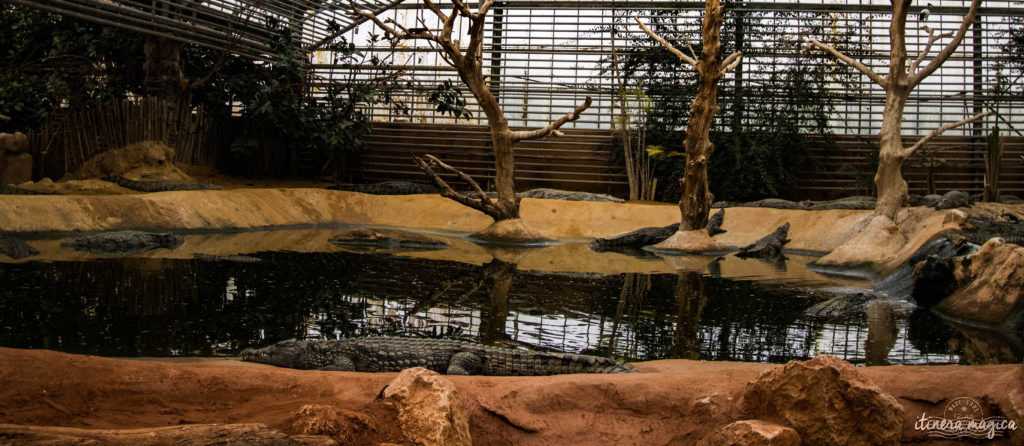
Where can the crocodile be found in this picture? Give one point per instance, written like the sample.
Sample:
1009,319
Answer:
388,188
159,185
124,242
768,246
393,354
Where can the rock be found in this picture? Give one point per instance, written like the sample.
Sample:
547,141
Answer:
316,419
843,308
752,433
952,200
510,232
715,223
879,240
933,280
149,160
634,240
158,185
15,248
991,286
13,142
124,242
555,194
190,434
826,401
768,246
15,168
687,242
387,238
429,408
389,188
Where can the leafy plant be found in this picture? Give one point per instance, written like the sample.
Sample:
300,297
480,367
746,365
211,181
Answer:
449,100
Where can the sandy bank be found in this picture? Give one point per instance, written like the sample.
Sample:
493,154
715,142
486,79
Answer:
819,231
661,405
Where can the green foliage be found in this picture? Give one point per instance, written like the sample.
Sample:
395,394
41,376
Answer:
284,108
449,100
49,61
758,143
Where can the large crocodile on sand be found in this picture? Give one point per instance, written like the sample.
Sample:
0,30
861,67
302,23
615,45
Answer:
393,354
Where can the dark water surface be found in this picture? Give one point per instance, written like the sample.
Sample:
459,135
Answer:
189,307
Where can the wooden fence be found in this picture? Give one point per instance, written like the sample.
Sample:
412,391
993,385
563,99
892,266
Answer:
70,138
583,160
580,160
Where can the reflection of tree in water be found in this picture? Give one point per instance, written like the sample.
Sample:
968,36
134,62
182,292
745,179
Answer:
127,307
690,301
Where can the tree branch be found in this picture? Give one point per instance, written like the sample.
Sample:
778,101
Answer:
931,40
942,129
668,46
947,51
482,204
5,118
552,128
731,62
849,60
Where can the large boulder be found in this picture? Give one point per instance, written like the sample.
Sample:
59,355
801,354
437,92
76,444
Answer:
147,160
826,401
428,406
752,433
990,286
317,419
15,168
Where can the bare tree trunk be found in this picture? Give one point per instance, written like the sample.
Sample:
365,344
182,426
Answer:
696,201
889,183
163,79
695,204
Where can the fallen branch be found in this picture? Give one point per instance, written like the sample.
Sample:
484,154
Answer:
5,118
482,204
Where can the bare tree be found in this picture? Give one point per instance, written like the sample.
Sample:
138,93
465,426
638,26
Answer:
696,201
468,62
900,82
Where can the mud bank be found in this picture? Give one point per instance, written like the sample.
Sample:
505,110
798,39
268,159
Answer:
672,401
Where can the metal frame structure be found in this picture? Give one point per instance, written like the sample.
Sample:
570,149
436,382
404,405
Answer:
546,55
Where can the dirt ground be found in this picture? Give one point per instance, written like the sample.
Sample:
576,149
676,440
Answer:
669,402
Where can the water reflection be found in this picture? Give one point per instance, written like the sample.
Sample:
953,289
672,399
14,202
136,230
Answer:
133,307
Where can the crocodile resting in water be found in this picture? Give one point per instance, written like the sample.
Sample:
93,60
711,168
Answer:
393,354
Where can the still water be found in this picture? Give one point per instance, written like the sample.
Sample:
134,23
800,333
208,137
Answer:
195,307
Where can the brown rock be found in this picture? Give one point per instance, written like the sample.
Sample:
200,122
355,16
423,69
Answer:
826,401
13,142
753,433
316,419
147,160
429,411
878,241
991,285
514,231
15,168
688,241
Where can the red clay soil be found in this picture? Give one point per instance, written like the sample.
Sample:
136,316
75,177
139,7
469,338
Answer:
670,402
